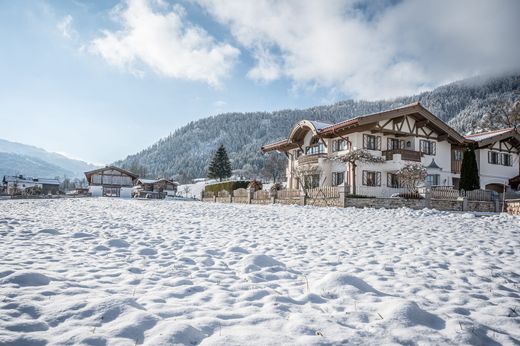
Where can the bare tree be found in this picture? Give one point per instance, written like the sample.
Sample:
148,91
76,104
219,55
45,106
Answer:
411,175
186,189
356,156
503,114
302,172
275,166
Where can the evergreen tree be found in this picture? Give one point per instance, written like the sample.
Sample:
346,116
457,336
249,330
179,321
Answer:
469,179
220,167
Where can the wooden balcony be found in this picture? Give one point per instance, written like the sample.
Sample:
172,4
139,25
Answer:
310,159
406,155
456,166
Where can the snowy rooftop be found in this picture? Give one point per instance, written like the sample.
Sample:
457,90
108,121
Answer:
319,125
485,135
22,179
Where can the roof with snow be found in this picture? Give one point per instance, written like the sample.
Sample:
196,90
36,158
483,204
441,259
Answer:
155,181
433,165
489,134
31,180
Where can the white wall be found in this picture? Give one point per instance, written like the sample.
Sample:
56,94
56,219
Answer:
96,191
495,174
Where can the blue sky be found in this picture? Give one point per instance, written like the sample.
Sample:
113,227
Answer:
100,80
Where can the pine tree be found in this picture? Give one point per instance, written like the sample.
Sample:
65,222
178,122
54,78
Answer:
469,179
220,167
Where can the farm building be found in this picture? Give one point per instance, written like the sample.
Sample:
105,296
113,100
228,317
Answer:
110,181
155,188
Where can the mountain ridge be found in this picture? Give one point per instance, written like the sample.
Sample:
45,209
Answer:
187,151
18,158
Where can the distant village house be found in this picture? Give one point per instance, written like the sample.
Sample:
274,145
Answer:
155,188
110,181
14,185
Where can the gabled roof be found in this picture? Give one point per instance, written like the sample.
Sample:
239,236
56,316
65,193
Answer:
490,137
155,181
363,122
89,173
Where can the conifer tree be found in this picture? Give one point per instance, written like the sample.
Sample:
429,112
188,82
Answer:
220,167
469,179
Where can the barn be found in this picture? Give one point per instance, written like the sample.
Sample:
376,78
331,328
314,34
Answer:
111,181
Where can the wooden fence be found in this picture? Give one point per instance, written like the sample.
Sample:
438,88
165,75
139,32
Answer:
323,192
448,193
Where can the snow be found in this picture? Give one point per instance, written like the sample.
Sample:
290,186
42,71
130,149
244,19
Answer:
98,271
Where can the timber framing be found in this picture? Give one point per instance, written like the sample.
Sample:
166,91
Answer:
424,125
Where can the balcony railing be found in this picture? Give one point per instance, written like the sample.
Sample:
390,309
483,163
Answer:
310,159
406,155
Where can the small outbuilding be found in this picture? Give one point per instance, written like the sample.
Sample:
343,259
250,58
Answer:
155,188
110,181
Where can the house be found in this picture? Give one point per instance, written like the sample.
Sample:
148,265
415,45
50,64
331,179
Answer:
110,181
19,184
498,159
155,188
407,134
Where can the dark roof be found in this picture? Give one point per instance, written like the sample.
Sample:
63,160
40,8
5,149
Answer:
362,121
89,173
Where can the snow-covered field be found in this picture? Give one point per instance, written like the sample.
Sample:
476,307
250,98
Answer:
124,272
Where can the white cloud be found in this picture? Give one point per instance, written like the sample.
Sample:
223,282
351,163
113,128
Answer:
157,35
373,49
65,27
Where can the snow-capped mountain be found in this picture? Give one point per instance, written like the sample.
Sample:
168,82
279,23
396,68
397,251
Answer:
18,158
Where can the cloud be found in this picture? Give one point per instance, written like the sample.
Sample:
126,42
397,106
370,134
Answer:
156,35
377,49
65,27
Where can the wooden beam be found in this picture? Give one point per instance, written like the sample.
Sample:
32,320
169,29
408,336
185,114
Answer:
442,137
421,123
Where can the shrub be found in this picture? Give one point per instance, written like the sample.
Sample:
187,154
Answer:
228,186
276,187
255,184
410,195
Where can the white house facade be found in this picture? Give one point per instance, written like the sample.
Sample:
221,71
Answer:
498,158
399,136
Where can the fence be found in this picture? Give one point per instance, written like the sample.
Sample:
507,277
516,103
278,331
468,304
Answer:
446,192
441,198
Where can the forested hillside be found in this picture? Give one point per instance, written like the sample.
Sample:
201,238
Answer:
186,152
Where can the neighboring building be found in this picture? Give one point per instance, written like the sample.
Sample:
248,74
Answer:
497,155
111,181
155,188
409,133
14,185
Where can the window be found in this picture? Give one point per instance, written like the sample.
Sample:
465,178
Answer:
339,145
394,144
457,155
428,147
493,158
392,180
315,149
338,178
371,178
312,181
506,159
433,179
371,142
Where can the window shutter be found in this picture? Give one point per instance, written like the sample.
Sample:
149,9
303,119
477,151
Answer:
378,142
364,177
389,179
421,145
388,144
401,144
489,156
434,148
378,178
365,140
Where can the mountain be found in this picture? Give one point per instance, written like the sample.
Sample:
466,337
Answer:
187,151
17,158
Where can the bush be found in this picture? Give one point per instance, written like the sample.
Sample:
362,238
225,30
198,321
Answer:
359,196
276,187
255,184
228,186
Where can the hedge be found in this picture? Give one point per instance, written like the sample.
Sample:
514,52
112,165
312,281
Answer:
229,186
